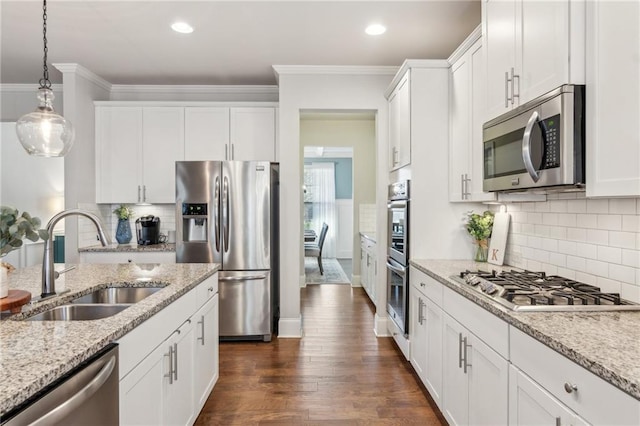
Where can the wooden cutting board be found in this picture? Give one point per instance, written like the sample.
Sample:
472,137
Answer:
14,301
498,243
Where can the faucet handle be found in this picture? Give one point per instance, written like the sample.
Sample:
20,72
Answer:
57,274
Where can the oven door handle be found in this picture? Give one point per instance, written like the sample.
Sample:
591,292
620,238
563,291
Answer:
526,147
397,204
400,270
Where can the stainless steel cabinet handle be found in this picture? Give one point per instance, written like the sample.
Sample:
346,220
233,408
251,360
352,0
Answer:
175,361
226,151
170,373
462,186
459,350
558,421
506,89
526,147
421,306
514,95
201,322
422,285
61,411
233,152
570,388
465,353
144,193
138,193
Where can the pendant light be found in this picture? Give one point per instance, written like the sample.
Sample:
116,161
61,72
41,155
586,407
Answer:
43,132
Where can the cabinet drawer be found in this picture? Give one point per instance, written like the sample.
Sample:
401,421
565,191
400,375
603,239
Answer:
206,289
128,257
426,285
597,401
488,327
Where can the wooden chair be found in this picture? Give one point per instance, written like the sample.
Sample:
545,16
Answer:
315,249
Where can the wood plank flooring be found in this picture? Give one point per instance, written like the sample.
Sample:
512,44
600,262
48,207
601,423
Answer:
339,373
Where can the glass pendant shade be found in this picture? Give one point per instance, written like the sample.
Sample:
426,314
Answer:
44,133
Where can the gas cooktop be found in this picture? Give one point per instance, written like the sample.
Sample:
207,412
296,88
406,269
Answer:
535,292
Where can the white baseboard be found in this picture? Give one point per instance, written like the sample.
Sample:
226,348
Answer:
380,327
355,281
290,328
303,282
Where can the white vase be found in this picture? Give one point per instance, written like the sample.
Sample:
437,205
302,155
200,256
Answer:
4,282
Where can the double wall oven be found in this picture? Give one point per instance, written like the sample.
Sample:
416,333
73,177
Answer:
398,254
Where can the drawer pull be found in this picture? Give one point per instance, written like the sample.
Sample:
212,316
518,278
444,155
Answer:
210,289
569,388
422,284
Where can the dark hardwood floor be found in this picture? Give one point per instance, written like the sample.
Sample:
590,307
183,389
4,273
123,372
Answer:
339,373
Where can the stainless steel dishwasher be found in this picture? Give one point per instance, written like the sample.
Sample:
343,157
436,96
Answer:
88,395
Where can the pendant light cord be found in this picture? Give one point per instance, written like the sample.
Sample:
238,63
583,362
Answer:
44,81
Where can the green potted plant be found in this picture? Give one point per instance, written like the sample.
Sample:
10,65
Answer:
14,227
479,227
123,230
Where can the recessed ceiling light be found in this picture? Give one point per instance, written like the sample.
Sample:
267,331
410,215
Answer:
182,27
375,29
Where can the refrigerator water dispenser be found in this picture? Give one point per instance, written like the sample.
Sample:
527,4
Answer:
194,222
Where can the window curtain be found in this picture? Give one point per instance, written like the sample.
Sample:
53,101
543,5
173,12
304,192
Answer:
320,187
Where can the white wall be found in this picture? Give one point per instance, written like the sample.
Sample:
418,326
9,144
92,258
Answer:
320,88
596,241
17,100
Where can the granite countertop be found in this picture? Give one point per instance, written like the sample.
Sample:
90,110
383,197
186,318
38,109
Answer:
116,248
370,235
33,354
605,343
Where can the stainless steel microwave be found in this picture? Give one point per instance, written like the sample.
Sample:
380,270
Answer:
540,144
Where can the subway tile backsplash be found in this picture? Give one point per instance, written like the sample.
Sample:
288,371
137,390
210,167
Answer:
367,217
596,241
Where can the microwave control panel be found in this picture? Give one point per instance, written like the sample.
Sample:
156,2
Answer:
550,128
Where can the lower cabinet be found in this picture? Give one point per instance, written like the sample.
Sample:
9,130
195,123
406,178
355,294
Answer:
530,404
475,378
170,384
128,257
368,267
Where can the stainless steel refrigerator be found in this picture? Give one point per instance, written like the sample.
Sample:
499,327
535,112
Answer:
227,213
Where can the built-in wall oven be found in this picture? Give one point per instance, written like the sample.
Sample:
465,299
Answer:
398,254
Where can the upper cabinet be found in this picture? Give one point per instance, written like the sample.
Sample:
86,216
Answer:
613,99
136,149
466,117
531,47
230,133
400,123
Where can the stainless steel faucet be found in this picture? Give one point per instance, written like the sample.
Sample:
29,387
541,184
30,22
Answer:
48,274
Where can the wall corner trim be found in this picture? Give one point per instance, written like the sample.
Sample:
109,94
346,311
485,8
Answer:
83,72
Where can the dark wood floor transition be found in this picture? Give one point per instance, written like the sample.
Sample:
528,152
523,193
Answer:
339,373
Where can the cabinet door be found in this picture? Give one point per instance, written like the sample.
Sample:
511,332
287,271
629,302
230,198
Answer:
142,390
118,154
530,404
206,133
418,332
179,397
460,121
499,42
613,99
455,392
400,124
162,146
543,47
433,370
488,384
364,270
253,134
206,358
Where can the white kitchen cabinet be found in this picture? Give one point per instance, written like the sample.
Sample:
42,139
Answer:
206,133
368,267
613,99
466,115
206,350
136,150
253,133
531,47
475,379
531,405
179,390
128,257
400,123
585,394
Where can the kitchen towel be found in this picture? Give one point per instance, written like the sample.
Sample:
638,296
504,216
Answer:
499,238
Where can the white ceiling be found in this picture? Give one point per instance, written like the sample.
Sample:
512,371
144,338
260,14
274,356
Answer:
234,42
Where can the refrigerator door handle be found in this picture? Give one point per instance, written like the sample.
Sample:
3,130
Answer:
245,278
225,214
216,213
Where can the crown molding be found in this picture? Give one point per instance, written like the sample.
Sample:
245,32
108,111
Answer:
83,72
466,44
415,64
333,70
194,89
22,87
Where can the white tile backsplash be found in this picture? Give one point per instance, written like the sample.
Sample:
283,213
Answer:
367,217
592,240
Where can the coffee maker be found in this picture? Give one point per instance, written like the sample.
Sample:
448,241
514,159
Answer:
148,230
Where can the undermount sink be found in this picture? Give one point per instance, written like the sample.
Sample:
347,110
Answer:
116,295
79,312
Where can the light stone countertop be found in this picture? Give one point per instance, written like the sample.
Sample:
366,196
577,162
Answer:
117,248
33,354
370,235
605,343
